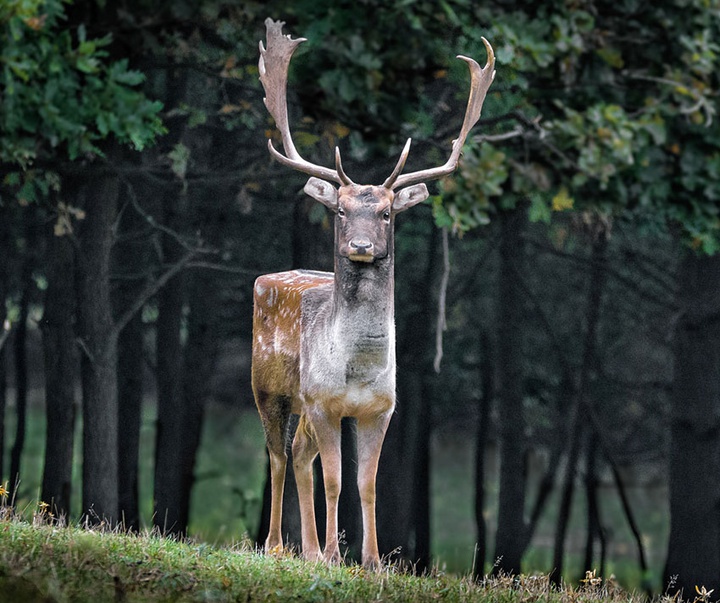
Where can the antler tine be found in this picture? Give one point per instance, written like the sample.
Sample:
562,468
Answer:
480,79
399,167
273,66
339,168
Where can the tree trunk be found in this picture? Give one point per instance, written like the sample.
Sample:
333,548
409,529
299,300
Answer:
487,378
594,524
510,537
21,375
5,247
131,261
98,341
598,275
349,514
170,410
200,355
130,395
421,496
694,544
547,483
60,359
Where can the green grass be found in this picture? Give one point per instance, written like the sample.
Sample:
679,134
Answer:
48,563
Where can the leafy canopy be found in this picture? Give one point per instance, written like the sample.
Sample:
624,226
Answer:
62,95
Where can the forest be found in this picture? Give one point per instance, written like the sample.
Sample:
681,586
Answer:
557,297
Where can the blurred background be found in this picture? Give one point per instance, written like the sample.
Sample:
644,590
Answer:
557,299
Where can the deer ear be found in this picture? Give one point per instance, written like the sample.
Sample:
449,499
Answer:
322,191
407,197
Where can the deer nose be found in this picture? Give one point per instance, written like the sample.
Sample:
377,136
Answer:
361,246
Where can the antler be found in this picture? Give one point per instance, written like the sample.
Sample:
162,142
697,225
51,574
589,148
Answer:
480,82
273,66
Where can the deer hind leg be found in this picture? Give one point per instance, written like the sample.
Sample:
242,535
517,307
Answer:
275,413
304,452
370,436
327,435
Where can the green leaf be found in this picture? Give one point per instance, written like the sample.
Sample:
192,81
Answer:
539,210
611,56
179,157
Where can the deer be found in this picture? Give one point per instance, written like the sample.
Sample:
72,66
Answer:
323,344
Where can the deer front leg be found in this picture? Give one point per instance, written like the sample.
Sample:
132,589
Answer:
327,433
304,452
370,436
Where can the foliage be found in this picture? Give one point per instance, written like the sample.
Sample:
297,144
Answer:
599,107
63,95
72,564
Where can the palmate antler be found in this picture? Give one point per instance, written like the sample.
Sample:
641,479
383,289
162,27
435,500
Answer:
274,63
273,66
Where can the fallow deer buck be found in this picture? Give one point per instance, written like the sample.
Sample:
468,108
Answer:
324,343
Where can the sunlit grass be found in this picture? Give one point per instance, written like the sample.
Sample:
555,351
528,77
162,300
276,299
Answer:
44,562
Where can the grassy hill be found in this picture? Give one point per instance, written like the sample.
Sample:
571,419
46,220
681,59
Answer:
47,563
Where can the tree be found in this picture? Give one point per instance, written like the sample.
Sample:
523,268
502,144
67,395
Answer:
63,98
60,364
694,426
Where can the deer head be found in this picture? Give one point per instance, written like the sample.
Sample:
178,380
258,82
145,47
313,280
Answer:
364,214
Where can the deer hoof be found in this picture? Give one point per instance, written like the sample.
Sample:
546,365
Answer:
312,555
372,564
332,557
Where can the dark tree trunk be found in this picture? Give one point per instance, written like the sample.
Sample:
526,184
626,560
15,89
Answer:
130,395
566,496
547,483
598,274
170,412
421,497
510,537
349,515
487,378
21,368
200,355
694,544
5,250
594,525
98,340
60,359
132,259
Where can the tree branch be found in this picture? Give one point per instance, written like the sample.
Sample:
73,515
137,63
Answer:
441,322
227,269
626,281
151,289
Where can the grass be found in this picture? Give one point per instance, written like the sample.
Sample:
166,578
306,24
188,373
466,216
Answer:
41,562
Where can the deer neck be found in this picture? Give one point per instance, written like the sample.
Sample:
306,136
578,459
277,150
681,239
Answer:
363,312
365,291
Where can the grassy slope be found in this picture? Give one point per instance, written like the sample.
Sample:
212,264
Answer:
46,563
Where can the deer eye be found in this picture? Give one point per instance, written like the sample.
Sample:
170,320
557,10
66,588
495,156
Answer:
340,212
386,216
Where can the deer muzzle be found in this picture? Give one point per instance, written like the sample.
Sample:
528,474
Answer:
361,250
